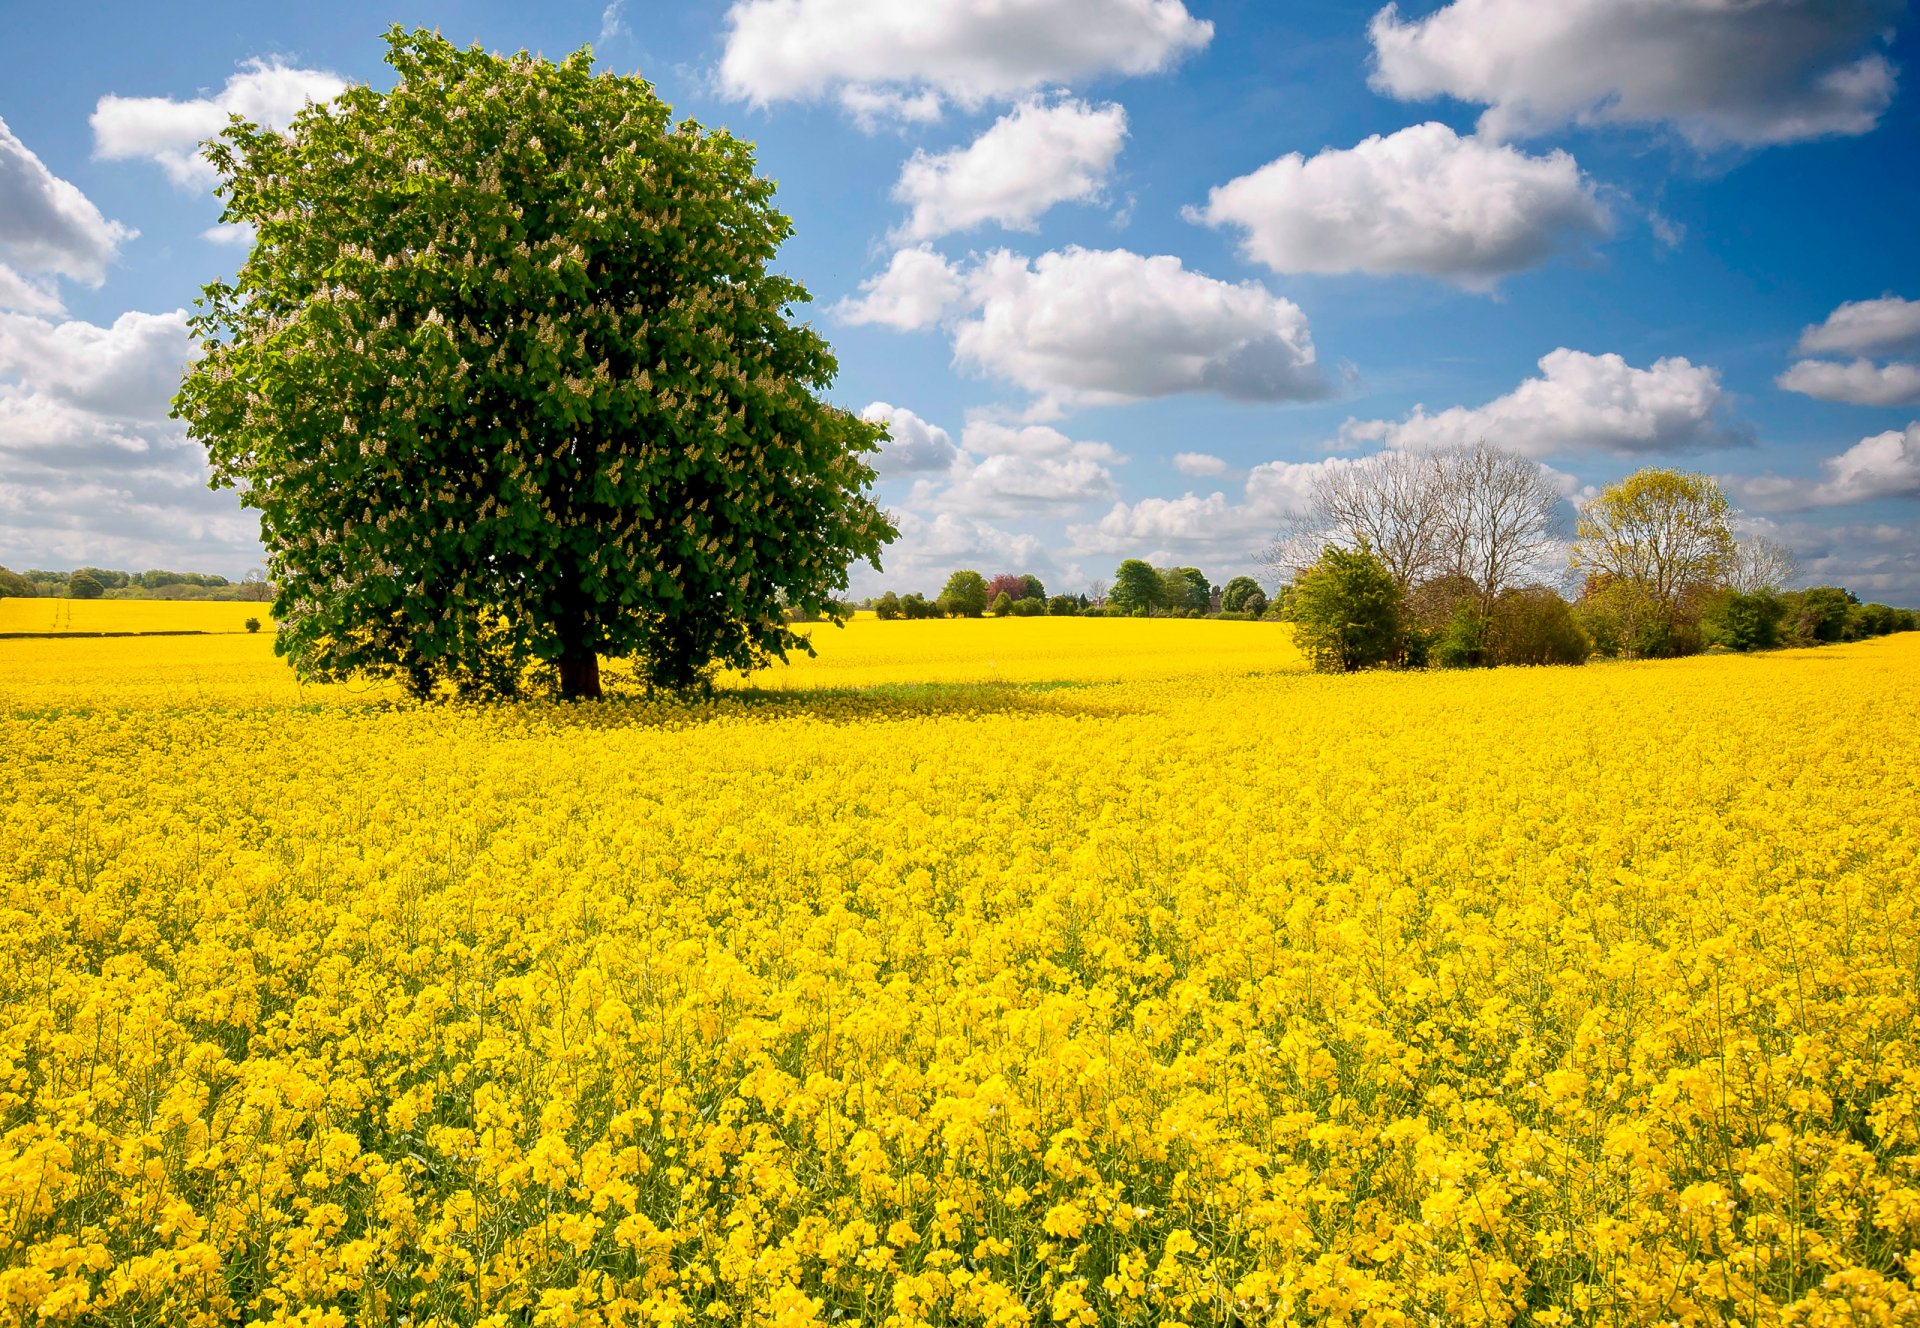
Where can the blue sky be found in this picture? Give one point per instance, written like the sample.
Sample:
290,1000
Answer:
1125,275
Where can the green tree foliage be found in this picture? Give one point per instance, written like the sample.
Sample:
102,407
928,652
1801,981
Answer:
1346,610
1654,547
1743,621
82,585
251,624
1032,588
965,595
1819,615
917,606
1186,590
1533,625
887,607
15,586
1002,605
1137,588
1063,606
1235,594
509,380
1028,608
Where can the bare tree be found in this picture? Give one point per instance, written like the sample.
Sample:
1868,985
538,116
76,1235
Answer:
1498,512
1390,501
1760,563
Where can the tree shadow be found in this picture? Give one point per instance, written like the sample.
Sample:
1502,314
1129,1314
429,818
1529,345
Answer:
879,702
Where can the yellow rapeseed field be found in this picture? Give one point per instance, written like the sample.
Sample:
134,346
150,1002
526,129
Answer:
126,615
1005,973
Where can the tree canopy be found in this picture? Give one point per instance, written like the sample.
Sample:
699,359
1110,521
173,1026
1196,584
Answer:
1136,586
1346,610
509,381
1653,546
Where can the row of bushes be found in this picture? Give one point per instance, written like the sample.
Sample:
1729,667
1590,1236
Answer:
1349,612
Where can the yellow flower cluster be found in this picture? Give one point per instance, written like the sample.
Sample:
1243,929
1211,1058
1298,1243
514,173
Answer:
1168,984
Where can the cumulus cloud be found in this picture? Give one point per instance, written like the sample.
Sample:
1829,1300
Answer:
1862,326
1198,463
1036,156
933,545
169,132
1004,471
91,468
48,228
970,51
1422,201
1858,382
917,290
1213,527
1579,403
914,447
1096,327
1718,72
1885,465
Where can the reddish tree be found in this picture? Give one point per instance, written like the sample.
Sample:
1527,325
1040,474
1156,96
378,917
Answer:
1008,584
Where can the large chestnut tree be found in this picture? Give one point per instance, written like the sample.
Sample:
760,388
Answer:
508,377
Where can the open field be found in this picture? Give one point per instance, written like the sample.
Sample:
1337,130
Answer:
126,615
1023,971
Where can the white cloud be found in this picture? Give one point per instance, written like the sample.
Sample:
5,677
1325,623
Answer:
913,447
1422,201
159,129
128,371
1198,463
1211,528
1860,326
1094,327
1037,155
23,294
612,24
1859,383
47,228
917,290
970,51
1718,71
1011,470
1580,403
91,468
239,235
873,107
1885,465
932,546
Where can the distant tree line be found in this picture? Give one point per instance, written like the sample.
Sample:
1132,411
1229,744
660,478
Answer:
106,583
1139,590
1436,559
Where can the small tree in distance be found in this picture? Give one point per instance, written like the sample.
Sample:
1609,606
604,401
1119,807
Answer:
965,595
1346,611
509,379
1237,594
1136,587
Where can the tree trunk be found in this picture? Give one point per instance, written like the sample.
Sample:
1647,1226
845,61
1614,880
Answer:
580,677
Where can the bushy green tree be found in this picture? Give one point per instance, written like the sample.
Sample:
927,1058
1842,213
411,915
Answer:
1818,615
1346,610
1002,605
1186,588
82,585
916,606
509,378
1533,625
1743,621
965,595
1137,588
1062,606
887,607
15,586
1031,587
1235,594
